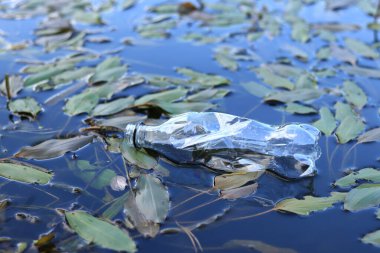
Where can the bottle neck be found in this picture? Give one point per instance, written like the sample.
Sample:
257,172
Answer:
134,134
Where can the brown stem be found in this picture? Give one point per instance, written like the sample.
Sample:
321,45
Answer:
7,87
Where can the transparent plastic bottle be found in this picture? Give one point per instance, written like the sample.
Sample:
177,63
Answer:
225,142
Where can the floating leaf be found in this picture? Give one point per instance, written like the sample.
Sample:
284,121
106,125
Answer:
300,31
82,103
369,136
299,109
309,203
343,110
207,94
100,232
138,157
349,129
368,174
25,106
152,198
113,107
372,238
293,96
257,246
109,70
54,148
257,89
235,180
72,75
47,74
361,71
326,124
362,197
24,172
269,77
241,192
127,4
166,96
354,94
205,80
15,85
182,107
361,48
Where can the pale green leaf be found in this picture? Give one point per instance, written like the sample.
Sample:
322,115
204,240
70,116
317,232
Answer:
326,124
24,172
362,197
368,174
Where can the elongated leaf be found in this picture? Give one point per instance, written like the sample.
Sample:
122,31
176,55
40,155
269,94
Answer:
235,180
256,89
369,174
293,96
309,203
241,192
369,136
113,107
152,198
372,238
326,124
361,71
54,148
257,246
72,75
25,106
108,75
207,94
299,109
362,197
24,172
164,96
269,77
349,129
100,232
46,74
354,94
138,157
361,48
81,103
206,80
15,85
182,107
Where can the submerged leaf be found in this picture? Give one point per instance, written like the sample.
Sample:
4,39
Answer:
100,232
257,246
309,203
235,180
368,174
24,172
369,136
240,192
54,148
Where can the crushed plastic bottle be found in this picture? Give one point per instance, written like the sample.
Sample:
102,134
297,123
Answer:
225,142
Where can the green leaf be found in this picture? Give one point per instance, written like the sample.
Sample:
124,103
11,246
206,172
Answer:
300,31
88,17
116,206
361,71
369,136
301,95
46,74
326,124
361,48
182,107
368,174
372,238
276,81
349,129
24,172
127,4
113,107
207,94
152,198
343,110
109,75
82,103
257,89
257,246
15,85
309,203
100,232
164,96
235,180
72,75
25,106
226,62
354,94
362,197
299,109
54,148
138,157
205,80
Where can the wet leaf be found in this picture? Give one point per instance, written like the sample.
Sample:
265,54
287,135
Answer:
369,136
257,89
137,217
309,203
361,71
82,103
350,128
368,174
343,54
326,124
88,17
25,106
299,109
362,197
354,94
182,107
24,172
138,157
127,4
54,148
269,77
207,94
15,85
152,198
343,110
235,180
109,70
293,96
257,246
46,74
241,192
372,238
72,75
116,206
205,80
300,31
166,96
113,107
100,232
361,48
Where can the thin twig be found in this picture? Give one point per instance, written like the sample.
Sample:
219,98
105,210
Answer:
7,87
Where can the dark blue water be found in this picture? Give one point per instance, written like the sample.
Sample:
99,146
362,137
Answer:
333,230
